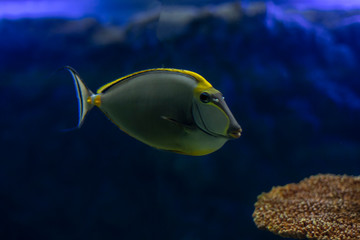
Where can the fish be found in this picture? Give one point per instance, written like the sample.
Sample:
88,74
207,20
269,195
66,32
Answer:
166,108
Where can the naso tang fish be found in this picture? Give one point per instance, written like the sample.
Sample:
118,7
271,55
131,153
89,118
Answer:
169,109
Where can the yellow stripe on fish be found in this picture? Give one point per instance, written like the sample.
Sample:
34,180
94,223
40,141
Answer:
203,84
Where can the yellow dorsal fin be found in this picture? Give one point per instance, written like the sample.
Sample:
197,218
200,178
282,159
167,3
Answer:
202,83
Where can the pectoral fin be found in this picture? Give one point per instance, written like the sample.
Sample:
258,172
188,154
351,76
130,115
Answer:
186,126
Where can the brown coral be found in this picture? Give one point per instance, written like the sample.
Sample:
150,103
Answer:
319,207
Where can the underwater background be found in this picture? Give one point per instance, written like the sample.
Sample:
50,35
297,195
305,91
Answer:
289,71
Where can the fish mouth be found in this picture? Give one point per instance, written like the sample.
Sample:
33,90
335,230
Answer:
235,133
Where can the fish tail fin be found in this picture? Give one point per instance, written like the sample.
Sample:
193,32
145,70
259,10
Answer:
83,93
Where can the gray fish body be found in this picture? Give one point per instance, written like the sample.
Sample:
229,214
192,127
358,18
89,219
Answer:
156,107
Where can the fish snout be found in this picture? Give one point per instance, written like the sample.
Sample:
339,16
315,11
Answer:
234,132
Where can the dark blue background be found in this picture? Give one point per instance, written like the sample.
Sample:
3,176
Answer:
290,77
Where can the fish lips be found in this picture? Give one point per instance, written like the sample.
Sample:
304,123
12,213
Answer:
235,133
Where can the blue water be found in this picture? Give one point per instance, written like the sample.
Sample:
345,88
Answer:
289,74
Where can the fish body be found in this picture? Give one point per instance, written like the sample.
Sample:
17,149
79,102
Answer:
169,109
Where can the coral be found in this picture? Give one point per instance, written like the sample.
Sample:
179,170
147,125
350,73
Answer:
324,206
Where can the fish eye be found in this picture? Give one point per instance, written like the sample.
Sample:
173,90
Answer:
205,97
